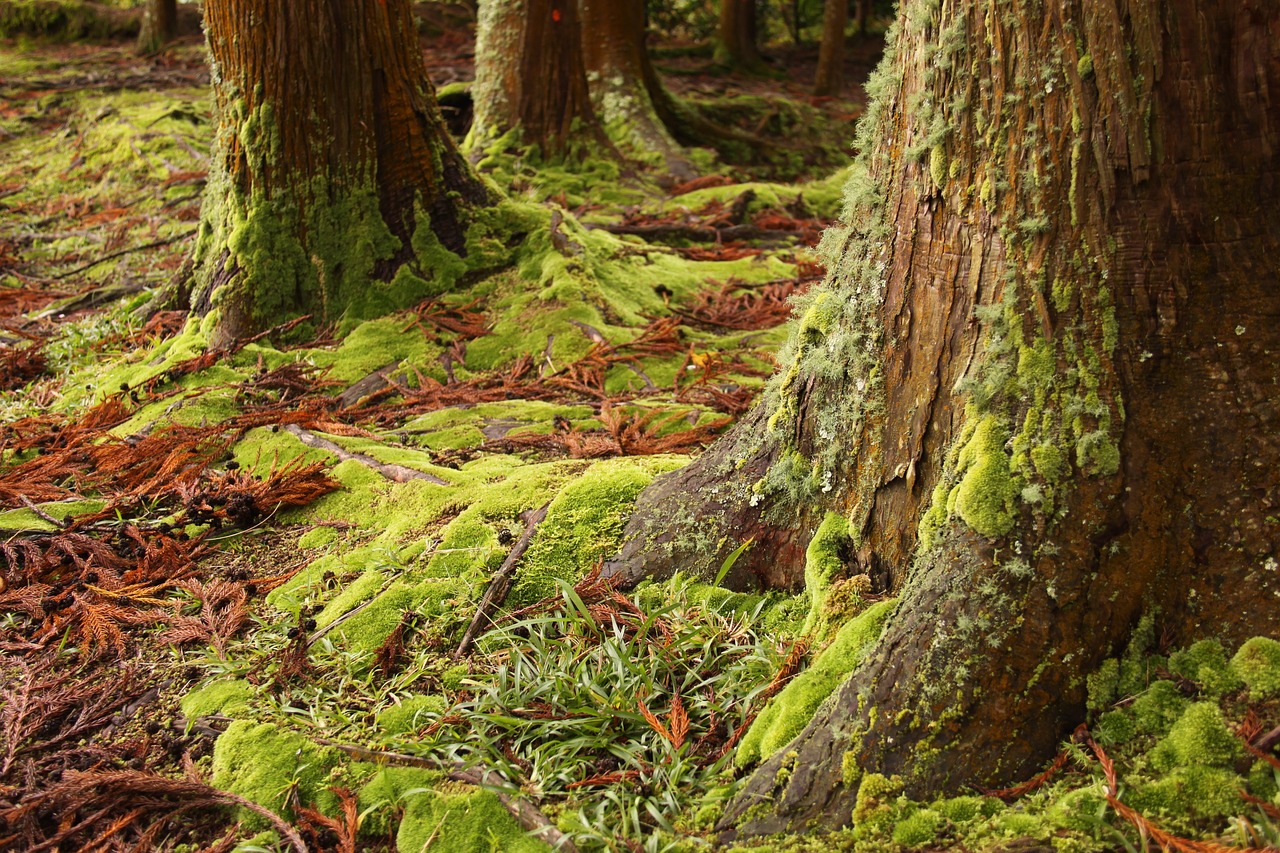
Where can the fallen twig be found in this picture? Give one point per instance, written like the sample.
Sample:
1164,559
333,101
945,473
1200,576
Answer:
393,472
113,255
502,580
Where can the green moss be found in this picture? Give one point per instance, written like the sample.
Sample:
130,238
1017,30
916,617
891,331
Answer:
26,519
985,495
1115,728
1200,737
938,166
228,697
918,829
1206,664
1263,783
792,709
318,537
1078,809
963,809
823,563
263,763
873,810
1196,791
1257,665
583,525
462,820
387,791
368,629
409,714
1158,708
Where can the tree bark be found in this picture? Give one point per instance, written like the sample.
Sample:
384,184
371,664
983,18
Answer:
332,167
1040,382
640,114
829,78
159,25
587,69
737,35
530,74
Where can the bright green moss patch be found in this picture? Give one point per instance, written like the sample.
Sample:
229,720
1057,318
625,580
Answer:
461,819
1200,737
387,792
26,519
918,829
792,709
1205,663
1257,664
583,525
1196,791
409,714
1158,708
229,697
985,496
263,762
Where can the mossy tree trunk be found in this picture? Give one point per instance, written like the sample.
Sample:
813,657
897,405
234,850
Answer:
737,35
1039,382
530,74
334,187
565,71
159,25
829,77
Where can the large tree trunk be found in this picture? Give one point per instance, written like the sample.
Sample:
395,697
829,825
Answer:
332,169
159,25
530,74
829,78
1040,381
737,34
573,70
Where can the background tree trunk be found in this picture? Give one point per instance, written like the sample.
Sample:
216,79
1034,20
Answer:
159,25
530,73
737,34
332,174
638,111
1040,382
829,78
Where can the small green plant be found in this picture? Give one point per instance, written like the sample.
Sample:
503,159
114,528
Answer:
587,696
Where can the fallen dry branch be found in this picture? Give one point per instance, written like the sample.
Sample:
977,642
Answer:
393,472
500,585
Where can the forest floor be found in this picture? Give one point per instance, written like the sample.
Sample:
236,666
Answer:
238,584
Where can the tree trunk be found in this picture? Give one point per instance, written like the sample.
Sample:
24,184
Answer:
863,15
530,74
736,37
159,25
1040,382
638,112
333,172
829,78
584,65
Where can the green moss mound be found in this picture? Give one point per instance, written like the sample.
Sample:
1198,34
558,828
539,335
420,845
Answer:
792,709
460,819
1257,665
263,762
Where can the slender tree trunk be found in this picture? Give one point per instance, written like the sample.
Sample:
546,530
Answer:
1040,382
159,25
863,15
736,37
638,112
328,175
530,74
829,78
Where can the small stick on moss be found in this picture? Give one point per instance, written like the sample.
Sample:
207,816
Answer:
394,473
502,580
525,812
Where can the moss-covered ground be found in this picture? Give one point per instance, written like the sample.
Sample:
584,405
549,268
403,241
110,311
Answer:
251,569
